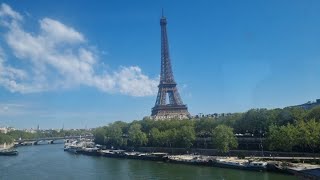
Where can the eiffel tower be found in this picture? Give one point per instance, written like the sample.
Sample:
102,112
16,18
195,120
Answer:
168,91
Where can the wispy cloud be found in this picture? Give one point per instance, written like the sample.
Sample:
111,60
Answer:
59,57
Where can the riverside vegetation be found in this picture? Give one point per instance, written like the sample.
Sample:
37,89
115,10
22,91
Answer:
288,129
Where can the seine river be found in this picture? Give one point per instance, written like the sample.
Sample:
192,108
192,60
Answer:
51,162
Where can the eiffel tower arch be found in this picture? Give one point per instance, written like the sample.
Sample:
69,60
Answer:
168,103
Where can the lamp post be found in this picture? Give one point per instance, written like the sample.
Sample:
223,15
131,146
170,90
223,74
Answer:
261,142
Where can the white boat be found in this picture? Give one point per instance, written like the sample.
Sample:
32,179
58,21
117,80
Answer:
241,164
257,165
73,146
238,164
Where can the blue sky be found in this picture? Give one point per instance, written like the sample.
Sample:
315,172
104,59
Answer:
89,63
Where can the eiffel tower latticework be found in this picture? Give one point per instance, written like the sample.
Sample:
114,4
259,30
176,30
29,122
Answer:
175,107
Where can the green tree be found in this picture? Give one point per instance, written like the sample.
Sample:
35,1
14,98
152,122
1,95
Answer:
170,137
314,113
114,136
99,135
309,134
186,136
21,134
282,137
253,121
223,138
204,126
123,125
290,115
230,120
156,137
136,137
4,138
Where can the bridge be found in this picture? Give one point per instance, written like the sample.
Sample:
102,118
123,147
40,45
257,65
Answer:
50,140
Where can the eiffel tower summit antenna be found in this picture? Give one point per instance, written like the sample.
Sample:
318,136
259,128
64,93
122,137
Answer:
168,91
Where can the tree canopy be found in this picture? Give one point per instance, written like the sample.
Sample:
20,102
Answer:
4,138
288,129
137,138
223,138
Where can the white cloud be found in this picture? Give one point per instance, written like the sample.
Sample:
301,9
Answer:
59,57
57,31
132,81
6,10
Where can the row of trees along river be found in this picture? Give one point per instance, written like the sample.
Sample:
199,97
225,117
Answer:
288,129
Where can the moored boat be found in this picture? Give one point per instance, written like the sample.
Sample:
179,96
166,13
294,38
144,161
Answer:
145,156
230,163
188,159
153,156
256,165
72,148
89,151
8,152
113,153
240,164
75,146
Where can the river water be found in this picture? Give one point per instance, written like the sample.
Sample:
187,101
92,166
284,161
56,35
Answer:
51,162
